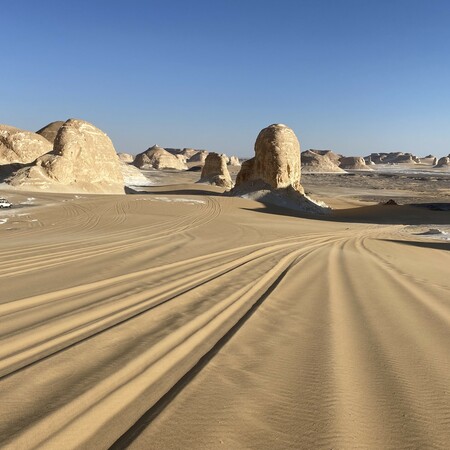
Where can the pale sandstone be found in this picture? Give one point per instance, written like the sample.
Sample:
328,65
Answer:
215,171
19,146
83,159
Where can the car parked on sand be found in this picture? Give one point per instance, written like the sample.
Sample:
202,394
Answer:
4,203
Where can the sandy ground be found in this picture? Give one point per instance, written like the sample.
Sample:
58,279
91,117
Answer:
183,319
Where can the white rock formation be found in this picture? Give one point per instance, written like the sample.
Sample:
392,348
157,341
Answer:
215,171
83,160
158,158
19,146
273,174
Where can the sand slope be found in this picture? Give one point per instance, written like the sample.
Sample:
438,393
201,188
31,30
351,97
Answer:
108,302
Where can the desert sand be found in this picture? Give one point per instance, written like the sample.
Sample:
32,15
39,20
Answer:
177,317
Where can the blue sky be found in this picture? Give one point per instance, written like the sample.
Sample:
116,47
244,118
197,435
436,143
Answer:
356,76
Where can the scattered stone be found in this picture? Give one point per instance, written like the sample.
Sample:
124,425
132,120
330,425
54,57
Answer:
19,146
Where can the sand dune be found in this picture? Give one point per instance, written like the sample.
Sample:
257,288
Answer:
107,302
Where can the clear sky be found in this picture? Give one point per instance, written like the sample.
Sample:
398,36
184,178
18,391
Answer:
355,76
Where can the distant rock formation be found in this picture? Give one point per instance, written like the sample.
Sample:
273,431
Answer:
273,174
198,157
215,171
132,176
158,158
125,157
51,130
319,162
443,162
83,160
353,163
393,158
429,159
19,146
234,161
334,157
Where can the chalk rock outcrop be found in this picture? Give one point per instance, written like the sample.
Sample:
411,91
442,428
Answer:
158,158
125,157
215,171
443,162
393,158
83,160
335,157
19,146
276,161
234,161
353,163
132,176
198,157
51,130
273,174
317,162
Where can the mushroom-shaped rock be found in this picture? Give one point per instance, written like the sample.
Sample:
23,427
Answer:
273,174
353,163
234,161
51,130
316,162
19,146
215,171
125,157
83,160
276,161
158,158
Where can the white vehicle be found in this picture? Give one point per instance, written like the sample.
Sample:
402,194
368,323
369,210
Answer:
4,203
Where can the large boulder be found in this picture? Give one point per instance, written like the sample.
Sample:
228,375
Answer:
276,161
215,171
273,174
83,160
51,130
158,158
353,163
19,146
315,162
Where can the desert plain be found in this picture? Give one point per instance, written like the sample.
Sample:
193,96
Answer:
179,317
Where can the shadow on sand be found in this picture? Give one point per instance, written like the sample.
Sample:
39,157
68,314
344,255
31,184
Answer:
375,214
435,245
